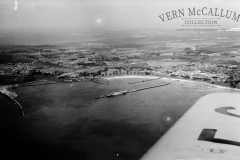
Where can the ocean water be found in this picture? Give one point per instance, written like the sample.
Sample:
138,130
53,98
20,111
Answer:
65,121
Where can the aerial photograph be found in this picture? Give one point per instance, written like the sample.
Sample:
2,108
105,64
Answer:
120,79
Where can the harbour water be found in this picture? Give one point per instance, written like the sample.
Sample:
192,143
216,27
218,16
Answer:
65,121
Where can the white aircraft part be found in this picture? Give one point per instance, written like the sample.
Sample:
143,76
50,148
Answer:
209,130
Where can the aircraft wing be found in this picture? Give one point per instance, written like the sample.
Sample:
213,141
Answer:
209,130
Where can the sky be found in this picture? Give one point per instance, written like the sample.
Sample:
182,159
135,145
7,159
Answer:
36,21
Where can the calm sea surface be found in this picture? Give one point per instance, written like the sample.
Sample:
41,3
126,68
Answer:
65,121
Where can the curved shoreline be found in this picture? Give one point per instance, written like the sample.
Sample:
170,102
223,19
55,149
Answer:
131,76
186,80
214,85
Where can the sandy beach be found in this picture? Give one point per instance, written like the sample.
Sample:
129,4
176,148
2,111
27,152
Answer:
213,85
132,76
183,80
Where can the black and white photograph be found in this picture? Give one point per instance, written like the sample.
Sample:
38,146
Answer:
120,79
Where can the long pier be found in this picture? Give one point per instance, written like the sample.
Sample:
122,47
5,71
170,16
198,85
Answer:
130,91
145,80
140,89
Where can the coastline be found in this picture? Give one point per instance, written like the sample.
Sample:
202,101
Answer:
186,80
214,85
131,76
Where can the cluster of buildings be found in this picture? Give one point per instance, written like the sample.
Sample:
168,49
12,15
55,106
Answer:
20,72
93,66
221,74
203,71
16,69
79,60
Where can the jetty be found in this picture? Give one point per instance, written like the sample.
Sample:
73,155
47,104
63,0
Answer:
140,89
124,92
113,94
145,80
9,92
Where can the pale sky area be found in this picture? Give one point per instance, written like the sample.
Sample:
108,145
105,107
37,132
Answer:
29,20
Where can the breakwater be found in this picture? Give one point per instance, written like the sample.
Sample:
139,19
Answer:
144,80
140,89
114,94
15,102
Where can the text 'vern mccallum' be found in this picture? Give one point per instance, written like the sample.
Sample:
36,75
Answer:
200,12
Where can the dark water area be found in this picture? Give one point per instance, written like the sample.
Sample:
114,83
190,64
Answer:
65,121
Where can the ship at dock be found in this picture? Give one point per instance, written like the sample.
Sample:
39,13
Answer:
113,94
117,93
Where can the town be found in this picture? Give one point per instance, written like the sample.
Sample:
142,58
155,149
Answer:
95,68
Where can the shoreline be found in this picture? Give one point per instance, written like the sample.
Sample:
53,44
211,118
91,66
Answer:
131,76
216,86
186,80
